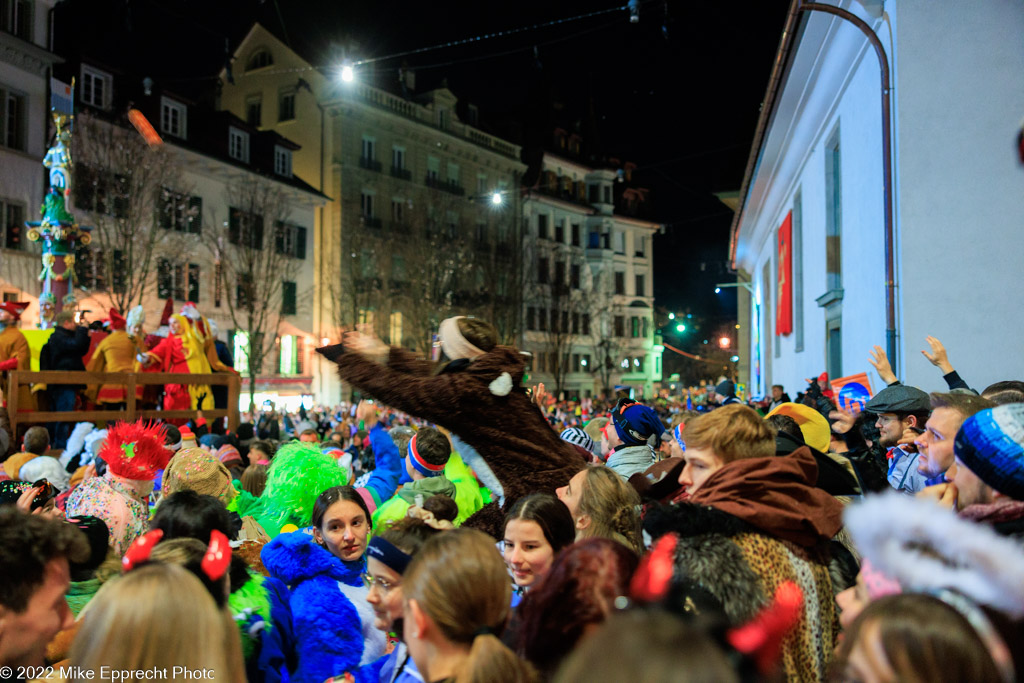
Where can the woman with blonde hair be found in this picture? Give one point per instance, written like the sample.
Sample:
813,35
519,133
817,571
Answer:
603,505
456,596
157,617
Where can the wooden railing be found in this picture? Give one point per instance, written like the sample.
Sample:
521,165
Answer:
130,380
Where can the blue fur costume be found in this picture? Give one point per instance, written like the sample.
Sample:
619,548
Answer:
332,621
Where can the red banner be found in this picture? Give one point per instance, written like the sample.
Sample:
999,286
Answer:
784,285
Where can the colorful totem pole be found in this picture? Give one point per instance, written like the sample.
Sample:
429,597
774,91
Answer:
58,230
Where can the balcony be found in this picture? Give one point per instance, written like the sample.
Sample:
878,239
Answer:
369,164
371,222
449,186
401,173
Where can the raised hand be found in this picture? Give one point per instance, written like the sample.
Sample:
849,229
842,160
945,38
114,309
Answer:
880,362
938,356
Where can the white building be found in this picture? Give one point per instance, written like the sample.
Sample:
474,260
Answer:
957,89
25,63
602,263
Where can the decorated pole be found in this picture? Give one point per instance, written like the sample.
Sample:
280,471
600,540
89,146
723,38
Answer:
58,230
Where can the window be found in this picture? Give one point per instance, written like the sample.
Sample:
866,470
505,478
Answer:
286,105
218,284
585,363
543,270
638,364
173,117
259,59
289,303
366,204
586,323
433,169
559,274
238,144
620,326
101,191
14,225
554,321
12,112
398,272
542,226
575,234
641,285
452,223
245,292
95,89
245,229
542,320
560,233
193,281
640,242
16,18
574,276
91,269
254,110
367,264
634,327
453,174
531,318
481,233
593,193
607,191
395,328
369,148
291,352
481,184
179,281
290,240
282,161
179,212
620,283
397,210
366,316
833,215
398,163
620,242
443,118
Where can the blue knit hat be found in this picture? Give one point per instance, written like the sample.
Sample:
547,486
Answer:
991,445
635,422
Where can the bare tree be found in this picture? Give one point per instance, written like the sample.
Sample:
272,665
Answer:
560,290
605,340
136,204
254,255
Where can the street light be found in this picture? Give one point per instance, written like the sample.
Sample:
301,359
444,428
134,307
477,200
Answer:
348,74
680,328
671,316
718,290
496,198
735,359
724,342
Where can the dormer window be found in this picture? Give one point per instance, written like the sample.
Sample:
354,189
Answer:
282,161
173,118
96,89
259,59
238,144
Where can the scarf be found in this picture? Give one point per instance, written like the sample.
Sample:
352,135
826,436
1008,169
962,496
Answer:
776,495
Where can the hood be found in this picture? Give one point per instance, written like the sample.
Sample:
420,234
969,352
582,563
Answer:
776,495
432,486
833,478
296,557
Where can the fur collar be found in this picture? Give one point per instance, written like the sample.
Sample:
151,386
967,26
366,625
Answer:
296,557
688,520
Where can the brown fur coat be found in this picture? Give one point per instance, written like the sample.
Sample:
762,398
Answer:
508,431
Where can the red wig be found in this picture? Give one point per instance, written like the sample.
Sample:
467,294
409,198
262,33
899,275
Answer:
579,590
135,450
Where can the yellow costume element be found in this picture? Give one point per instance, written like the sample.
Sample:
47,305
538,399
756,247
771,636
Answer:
14,345
114,353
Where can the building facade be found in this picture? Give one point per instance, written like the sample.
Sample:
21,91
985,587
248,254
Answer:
26,61
589,286
423,206
809,239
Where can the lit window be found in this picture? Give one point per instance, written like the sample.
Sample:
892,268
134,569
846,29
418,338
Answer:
173,117
238,144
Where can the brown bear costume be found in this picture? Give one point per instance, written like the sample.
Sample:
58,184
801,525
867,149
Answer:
480,401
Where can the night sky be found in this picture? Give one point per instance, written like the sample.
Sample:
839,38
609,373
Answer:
677,93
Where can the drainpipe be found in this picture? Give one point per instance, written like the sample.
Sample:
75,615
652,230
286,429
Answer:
883,63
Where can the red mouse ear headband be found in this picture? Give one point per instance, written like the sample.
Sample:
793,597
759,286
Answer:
218,556
215,562
138,553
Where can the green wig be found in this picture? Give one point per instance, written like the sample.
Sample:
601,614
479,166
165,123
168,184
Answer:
298,474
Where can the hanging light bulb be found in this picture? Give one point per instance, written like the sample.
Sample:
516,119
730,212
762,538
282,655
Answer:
348,74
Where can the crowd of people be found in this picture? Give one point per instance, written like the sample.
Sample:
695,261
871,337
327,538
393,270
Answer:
461,526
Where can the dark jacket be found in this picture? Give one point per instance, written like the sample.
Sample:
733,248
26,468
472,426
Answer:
63,351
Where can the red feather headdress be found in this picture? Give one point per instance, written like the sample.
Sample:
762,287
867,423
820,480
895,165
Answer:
135,450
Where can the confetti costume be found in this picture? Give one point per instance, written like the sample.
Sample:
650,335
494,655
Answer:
134,453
